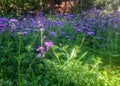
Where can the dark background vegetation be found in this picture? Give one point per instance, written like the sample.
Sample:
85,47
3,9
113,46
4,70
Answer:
24,6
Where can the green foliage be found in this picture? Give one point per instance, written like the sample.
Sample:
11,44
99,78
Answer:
113,4
87,4
66,66
24,6
99,3
18,6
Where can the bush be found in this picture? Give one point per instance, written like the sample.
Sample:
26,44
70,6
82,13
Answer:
18,6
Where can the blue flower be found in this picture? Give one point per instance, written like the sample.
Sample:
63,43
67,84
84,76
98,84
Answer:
27,29
69,37
115,26
51,33
85,28
77,29
2,25
24,33
62,33
91,33
36,30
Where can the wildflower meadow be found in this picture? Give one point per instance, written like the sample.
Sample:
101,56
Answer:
60,50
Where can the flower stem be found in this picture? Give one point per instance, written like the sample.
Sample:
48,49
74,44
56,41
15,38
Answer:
19,61
19,77
41,36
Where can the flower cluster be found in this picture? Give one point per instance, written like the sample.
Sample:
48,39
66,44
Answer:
43,49
90,23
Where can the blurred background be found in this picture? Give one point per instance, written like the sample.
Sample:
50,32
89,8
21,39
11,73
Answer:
55,6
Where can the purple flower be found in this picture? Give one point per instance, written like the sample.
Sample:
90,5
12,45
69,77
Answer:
1,29
68,16
77,29
41,48
85,19
85,28
32,20
48,44
91,33
13,26
78,24
69,37
40,24
13,21
36,30
4,19
27,29
59,23
58,15
51,33
115,26
84,13
24,33
44,37
62,33
2,25
39,55
22,25
24,19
